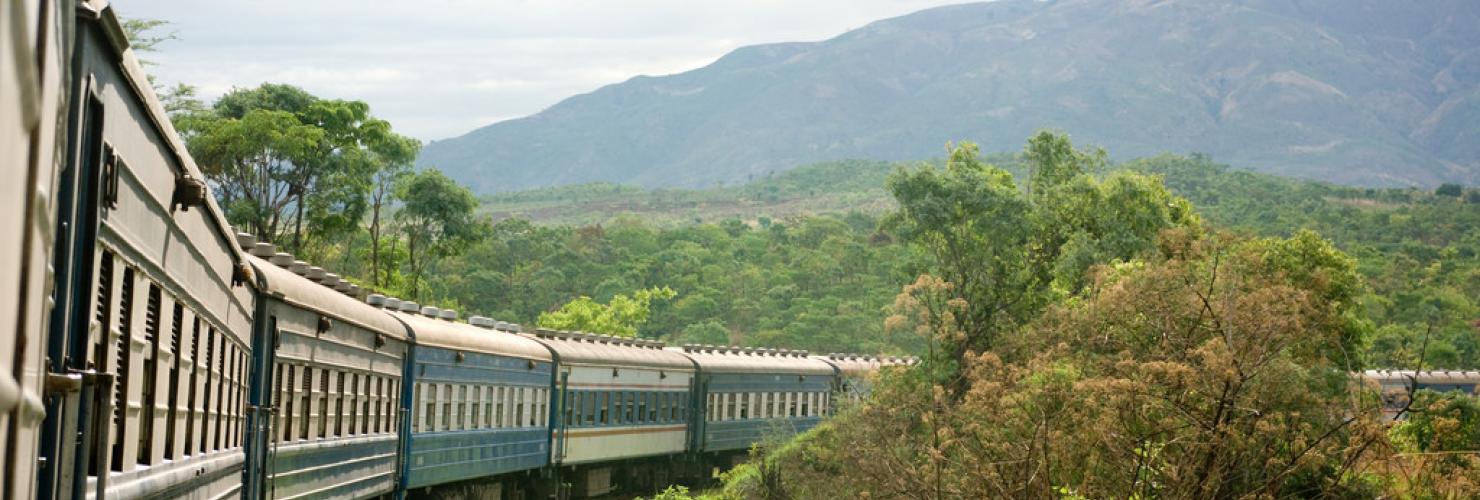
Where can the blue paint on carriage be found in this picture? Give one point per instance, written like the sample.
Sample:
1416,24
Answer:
450,456
441,457
729,435
741,434
352,468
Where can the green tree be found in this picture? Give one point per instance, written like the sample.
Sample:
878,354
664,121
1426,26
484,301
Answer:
622,316
288,165
1450,189
1009,253
436,220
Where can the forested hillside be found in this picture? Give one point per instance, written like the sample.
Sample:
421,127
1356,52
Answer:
798,259
1368,92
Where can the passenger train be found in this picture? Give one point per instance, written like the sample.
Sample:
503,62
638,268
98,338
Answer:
157,353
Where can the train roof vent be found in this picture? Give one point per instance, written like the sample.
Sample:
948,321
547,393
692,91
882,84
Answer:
449,315
410,307
481,322
281,259
330,280
392,303
430,311
264,250
299,267
314,273
343,286
246,241
354,290
376,300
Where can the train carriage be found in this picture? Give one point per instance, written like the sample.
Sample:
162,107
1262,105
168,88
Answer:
856,372
334,385
149,339
33,73
749,394
481,401
620,400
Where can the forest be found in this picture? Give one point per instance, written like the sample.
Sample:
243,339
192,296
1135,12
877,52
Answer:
1165,326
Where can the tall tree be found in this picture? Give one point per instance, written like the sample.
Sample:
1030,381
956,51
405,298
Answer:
436,220
394,159
622,316
1008,252
289,166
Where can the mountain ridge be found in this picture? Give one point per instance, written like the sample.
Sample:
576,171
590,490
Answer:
1365,92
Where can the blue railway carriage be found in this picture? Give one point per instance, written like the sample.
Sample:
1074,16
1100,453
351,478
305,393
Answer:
1398,386
329,383
149,339
624,408
33,65
749,394
481,402
856,372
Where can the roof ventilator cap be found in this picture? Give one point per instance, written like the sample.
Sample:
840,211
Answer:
376,300
392,303
430,311
282,259
410,307
299,267
246,241
480,321
314,273
264,250
449,315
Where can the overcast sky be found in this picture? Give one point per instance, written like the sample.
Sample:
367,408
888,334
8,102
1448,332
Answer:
440,68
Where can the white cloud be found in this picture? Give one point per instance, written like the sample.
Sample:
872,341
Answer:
439,68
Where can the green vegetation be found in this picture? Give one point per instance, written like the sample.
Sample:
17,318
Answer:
1198,364
621,317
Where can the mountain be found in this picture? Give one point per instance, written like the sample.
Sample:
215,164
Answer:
1366,92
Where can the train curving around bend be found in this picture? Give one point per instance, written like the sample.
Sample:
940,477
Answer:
156,353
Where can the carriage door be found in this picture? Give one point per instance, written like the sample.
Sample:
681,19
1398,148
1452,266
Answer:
78,397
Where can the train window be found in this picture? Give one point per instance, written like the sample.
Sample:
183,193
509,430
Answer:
379,398
287,399
475,407
176,333
365,398
150,381
603,408
354,404
805,411
641,408
498,414
519,407
588,407
429,401
446,400
462,407
325,380
574,408
218,417
123,350
488,399
305,402
744,407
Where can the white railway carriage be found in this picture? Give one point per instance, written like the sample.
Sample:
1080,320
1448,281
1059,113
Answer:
619,399
149,339
335,384
33,73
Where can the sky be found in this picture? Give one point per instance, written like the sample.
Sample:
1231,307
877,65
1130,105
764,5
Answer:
440,68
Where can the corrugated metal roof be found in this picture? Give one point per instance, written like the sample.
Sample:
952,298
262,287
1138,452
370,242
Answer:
578,348
462,336
854,364
302,292
724,359
1426,376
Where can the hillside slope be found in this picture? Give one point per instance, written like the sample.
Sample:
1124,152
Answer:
1372,92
